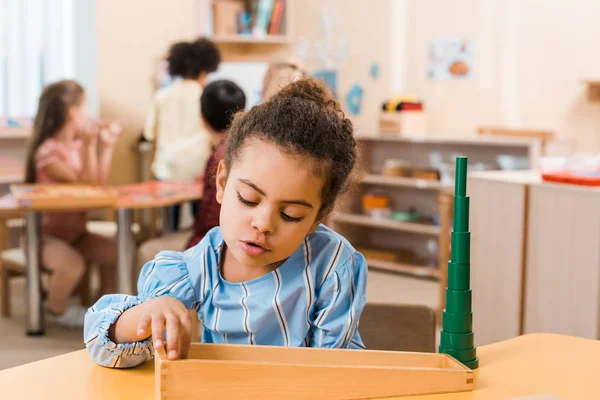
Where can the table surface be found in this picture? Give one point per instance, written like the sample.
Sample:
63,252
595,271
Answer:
563,366
149,194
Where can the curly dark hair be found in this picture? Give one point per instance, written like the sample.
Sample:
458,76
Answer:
302,119
189,59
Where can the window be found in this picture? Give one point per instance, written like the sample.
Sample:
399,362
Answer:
42,41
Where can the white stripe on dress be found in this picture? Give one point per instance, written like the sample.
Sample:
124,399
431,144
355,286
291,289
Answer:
171,288
217,313
246,321
332,262
349,332
336,289
308,283
205,275
279,310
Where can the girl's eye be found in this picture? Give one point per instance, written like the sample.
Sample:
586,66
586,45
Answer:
290,219
246,202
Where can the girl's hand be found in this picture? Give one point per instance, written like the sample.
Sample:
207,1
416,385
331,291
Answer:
167,313
109,133
89,133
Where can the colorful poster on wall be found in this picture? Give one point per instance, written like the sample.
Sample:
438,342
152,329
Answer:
450,59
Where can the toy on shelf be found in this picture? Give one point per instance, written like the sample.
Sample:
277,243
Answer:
457,338
376,205
403,115
393,167
271,372
583,170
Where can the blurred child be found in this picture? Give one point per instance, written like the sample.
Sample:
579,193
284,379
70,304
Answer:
270,273
280,73
67,147
219,102
173,121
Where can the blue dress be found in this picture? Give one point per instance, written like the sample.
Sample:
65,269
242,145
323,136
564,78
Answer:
315,298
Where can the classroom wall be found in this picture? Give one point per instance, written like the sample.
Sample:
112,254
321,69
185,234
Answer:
530,59
366,27
130,35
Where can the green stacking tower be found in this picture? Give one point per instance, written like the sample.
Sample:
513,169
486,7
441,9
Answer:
457,320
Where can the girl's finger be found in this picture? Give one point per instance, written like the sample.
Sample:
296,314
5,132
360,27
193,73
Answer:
158,327
185,336
143,327
172,337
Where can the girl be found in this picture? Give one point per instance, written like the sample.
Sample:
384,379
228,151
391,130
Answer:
64,149
174,121
280,73
270,274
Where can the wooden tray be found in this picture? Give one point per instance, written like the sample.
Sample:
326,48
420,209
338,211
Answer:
63,196
270,372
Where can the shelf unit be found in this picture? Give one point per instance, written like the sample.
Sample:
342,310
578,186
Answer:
14,133
13,148
374,179
427,196
248,47
364,220
416,270
235,39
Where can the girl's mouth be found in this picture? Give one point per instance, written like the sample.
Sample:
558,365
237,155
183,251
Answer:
253,249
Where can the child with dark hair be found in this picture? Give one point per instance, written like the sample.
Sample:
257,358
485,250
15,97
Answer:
270,273
219,103
173,121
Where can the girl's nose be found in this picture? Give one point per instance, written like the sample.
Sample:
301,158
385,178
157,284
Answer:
263,222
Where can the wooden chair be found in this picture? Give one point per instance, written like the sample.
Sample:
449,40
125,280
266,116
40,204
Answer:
12,261
398,327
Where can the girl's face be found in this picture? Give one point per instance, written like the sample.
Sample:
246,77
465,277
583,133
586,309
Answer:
78,115
269,204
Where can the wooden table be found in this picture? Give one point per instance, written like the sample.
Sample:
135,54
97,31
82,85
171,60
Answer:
532,364
149,194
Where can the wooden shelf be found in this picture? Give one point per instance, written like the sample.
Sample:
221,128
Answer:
466,140
6,179
416,270
363,220
14,133
268,39
400,181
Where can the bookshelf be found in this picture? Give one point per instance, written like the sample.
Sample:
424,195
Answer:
220,21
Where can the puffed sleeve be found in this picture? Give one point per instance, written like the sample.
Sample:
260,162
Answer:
166,275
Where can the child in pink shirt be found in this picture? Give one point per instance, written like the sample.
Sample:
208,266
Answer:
66,147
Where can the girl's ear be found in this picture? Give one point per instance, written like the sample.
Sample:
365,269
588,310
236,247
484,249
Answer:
221,180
